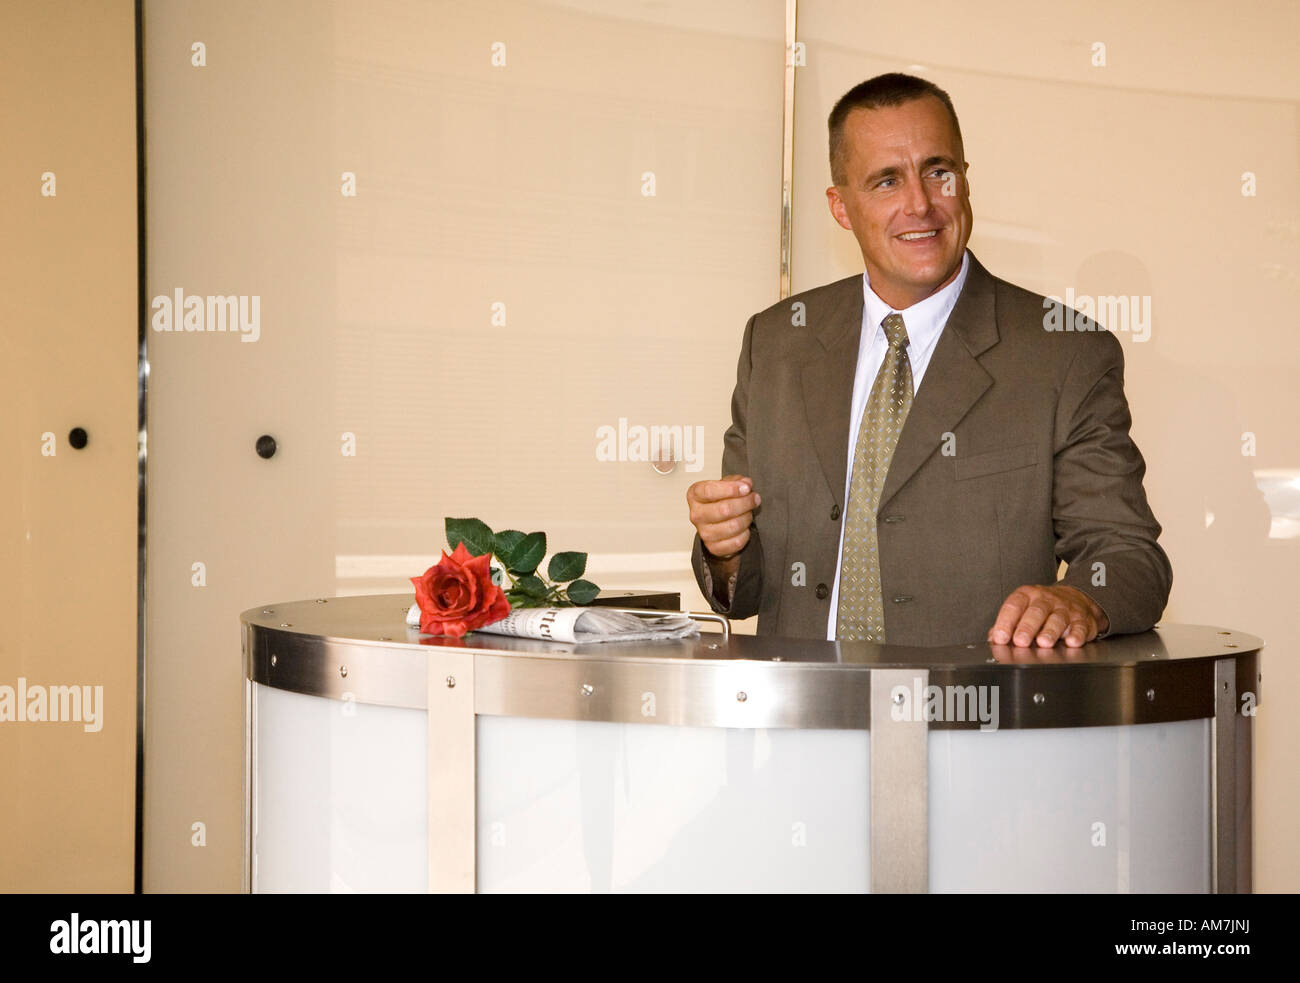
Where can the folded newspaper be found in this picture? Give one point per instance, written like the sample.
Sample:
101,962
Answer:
584,625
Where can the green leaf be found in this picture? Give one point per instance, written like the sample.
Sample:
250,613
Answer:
566,566
474,533
533,586
582,592
504,545
528,553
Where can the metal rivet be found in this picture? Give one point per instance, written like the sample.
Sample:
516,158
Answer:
1225,686
384,638
274,660
284,624
451,682
899,698
1040,699
741,697
1229,645
777,658
712,645
267,611
1151,696
343,671
1224,633
970,646
321,600
588,689
990,659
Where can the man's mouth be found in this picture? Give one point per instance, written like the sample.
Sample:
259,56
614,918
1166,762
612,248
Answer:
911,236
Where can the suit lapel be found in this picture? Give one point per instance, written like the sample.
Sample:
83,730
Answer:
953,380
827,379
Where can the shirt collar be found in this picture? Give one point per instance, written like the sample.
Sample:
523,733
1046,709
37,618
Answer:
925,319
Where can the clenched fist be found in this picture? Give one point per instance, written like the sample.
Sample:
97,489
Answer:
721,512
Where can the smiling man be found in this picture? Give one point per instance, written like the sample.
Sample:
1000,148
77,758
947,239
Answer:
912,454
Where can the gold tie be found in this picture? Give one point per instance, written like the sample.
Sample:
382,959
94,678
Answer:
861,613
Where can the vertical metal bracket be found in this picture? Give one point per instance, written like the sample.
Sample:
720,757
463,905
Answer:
900,780
452,766
1231,804
250,774
787,147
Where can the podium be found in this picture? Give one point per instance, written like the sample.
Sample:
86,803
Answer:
378,760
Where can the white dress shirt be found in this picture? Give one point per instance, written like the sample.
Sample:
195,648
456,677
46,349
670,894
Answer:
924,322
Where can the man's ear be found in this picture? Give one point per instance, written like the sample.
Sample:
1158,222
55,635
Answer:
838,211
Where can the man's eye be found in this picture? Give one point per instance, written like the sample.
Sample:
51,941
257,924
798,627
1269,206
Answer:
885,181
940,172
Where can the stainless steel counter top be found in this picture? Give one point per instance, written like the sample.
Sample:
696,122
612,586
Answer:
359,648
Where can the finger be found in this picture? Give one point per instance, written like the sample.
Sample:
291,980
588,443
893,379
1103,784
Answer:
737,513
1058,619
1031,622
726,529
1008,616
725,549
1082,629
718,491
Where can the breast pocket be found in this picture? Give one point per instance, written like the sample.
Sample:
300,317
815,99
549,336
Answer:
995,462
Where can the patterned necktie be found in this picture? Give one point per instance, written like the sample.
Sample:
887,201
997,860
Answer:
861,613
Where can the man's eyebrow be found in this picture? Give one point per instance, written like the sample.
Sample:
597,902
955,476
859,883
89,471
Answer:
884,172
893,171
938,159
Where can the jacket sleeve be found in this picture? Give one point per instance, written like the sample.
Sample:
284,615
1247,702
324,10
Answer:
735,460
1104,528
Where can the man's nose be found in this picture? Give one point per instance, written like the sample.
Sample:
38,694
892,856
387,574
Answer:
916,197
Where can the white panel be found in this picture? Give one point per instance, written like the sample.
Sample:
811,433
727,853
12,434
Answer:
585,806
1018,810
340,797
579,806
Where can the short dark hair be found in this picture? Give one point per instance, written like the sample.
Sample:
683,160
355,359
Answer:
891,89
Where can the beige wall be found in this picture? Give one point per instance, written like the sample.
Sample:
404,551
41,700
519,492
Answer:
1126,179
521,185
68,359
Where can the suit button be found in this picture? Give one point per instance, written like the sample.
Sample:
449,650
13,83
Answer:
902,598
822,591
835,511
893,518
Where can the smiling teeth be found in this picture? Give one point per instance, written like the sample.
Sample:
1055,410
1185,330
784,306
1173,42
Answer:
920,235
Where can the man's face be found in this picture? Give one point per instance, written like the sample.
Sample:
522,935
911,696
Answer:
905,198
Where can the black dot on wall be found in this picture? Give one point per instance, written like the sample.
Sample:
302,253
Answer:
78,438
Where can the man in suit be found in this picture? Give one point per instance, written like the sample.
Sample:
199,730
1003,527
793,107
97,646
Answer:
914,451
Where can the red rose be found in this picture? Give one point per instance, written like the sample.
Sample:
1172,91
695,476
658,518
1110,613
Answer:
458,595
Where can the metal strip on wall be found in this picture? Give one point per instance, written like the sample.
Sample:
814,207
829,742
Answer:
787,145
142,454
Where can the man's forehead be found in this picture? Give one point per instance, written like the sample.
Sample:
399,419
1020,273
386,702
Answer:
886,129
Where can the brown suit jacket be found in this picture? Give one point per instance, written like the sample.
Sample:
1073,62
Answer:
1016,454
